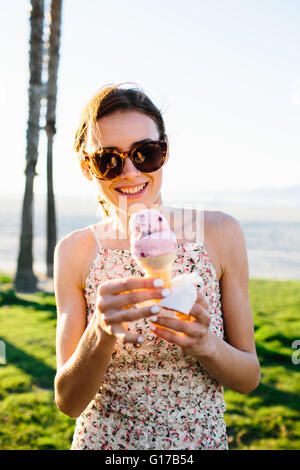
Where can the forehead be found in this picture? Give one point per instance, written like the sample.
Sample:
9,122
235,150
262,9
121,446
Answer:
121,129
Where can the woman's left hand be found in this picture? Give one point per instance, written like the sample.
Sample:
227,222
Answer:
193,336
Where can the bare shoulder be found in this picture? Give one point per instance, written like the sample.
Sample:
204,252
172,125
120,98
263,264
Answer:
224,239
74,252
72,245
222,223
214,221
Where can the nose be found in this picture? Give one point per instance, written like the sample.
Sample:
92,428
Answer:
129,170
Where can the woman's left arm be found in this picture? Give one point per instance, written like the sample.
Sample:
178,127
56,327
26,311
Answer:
232,361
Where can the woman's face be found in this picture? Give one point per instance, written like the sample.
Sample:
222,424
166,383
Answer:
122,130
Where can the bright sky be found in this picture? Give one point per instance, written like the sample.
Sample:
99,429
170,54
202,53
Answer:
227,74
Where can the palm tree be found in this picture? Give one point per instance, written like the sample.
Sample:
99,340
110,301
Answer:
25,280
54,42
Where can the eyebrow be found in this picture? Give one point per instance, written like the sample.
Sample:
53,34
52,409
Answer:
132,146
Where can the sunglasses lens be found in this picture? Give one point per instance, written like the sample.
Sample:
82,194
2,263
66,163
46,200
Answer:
149,157
107,166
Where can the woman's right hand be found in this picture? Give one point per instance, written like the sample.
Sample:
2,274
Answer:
115,304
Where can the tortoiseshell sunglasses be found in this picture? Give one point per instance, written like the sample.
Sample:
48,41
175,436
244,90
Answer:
108,163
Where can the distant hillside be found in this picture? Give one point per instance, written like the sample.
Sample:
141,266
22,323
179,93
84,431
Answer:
289,196
275,197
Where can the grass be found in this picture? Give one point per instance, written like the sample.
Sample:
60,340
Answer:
267,418
29,418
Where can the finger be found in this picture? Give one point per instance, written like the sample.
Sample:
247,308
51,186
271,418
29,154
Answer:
111,302
192,329
132,338
201,299
118,286
201,314
130,314
123,335
172,337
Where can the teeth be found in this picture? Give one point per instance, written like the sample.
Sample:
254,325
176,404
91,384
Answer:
134,190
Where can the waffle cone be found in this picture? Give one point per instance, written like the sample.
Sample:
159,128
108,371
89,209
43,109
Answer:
157,263
160,267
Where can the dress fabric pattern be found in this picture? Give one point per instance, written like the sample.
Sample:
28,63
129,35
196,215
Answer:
153,396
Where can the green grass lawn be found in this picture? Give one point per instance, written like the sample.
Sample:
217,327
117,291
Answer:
267,418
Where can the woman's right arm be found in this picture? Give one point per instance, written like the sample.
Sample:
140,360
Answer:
84,351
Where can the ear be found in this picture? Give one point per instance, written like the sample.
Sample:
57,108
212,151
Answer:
85,169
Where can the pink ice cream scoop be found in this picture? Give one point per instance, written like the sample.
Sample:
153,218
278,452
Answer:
147,221
150,234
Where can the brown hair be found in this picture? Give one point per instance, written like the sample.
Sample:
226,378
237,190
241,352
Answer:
110,99
107,100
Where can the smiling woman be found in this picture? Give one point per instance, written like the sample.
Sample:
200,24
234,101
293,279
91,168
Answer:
134,377
110,111
122,130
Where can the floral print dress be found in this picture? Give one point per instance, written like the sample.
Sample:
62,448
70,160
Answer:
153,396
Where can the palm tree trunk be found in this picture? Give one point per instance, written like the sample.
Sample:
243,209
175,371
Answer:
25,280
54,43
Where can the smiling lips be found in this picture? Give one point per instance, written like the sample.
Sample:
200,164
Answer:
132,189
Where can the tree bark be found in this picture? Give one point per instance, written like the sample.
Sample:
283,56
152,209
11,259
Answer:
54,43
25,280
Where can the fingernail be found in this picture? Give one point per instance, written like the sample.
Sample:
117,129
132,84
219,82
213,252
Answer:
140,339
158,283
155,309
165,292
153,318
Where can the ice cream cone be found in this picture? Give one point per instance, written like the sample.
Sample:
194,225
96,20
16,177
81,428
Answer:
156,264
160,267
164,274
154,247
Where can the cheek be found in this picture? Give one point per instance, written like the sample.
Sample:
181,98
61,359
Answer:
157,178
103,188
